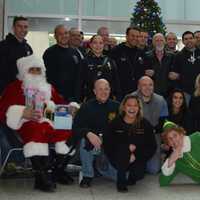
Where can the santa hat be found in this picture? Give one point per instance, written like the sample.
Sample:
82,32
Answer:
25,63
168,124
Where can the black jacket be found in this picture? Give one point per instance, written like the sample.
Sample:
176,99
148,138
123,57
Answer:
195,110
11,50
63,70
161,70
188,68
93,116
182,119
96,68
120,135
129,63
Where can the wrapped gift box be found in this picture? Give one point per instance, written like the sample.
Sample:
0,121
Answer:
62,118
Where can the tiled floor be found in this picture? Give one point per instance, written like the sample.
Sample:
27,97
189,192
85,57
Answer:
102,189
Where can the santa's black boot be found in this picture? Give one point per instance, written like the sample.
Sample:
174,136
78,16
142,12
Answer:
59,173
43,174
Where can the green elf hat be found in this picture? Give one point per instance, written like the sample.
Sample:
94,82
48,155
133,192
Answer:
168,124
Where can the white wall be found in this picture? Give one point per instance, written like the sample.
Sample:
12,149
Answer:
39,41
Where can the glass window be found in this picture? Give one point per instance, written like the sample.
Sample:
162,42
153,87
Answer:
110,8
91,26
173,11
192,10
45,24
45,7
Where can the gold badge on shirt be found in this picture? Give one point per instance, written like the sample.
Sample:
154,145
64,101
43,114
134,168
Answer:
111,116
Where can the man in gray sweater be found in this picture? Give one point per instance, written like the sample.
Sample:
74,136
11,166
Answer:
154,110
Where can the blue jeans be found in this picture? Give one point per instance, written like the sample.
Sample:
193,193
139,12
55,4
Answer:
102,164
4,144
7,142
154,164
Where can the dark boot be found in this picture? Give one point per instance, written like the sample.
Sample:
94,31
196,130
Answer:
121,181
86,182
131,178
43,174
59,173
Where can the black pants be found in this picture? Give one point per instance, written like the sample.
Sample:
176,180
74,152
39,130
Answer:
136,172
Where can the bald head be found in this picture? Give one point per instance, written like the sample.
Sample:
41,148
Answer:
104,33
171,35
101,81
61,34
102,90
171,40
58,27
146,86
145,78
75,38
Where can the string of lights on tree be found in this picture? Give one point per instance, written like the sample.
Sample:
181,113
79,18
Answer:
147,16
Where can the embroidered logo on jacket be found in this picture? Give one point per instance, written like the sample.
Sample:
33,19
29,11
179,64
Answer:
111,116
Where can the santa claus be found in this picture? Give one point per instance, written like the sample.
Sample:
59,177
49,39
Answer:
35,130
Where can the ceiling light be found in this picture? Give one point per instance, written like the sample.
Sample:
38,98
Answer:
67,19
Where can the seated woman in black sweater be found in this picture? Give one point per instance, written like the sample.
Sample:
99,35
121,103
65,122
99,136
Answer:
178,110
129,143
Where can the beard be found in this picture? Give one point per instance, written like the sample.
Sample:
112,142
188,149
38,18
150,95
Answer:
160,47
37,82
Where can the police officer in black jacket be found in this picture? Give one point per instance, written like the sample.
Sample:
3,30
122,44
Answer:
186,64
62,65
90,123
129,60
12,48
97,66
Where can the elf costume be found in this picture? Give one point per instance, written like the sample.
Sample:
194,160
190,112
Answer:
188,162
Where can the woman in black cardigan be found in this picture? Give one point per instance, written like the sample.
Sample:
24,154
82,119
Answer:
129,143
178,110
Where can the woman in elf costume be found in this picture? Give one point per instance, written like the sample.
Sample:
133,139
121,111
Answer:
185,157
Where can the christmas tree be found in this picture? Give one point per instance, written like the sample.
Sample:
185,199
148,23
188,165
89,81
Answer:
147,16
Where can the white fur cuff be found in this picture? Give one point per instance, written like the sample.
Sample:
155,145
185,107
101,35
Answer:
167,171
14,116
50,105
61,148
36,149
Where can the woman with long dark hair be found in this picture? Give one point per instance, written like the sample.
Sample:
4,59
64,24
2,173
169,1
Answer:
178,110
129,143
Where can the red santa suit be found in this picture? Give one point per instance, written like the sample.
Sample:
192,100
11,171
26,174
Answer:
35,134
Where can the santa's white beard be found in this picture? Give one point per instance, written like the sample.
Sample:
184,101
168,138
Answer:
37,82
